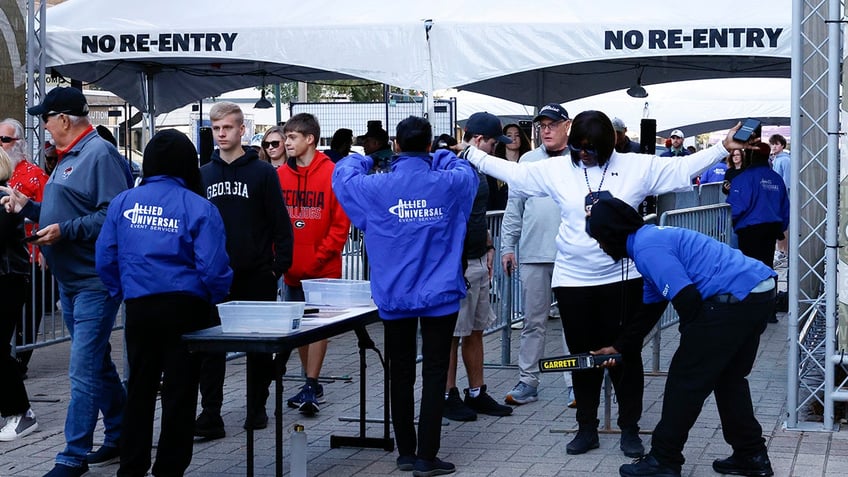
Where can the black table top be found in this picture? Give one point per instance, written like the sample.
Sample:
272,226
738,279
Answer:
326,324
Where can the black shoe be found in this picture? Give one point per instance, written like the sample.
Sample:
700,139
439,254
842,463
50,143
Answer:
772,319
103,456
406,462
583,442
456,410
427,468
757,465
209,426
259,420
60,470
484,404
647,466
631,443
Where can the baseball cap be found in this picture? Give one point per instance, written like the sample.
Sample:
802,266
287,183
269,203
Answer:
618,125
62,100
256,140
553,111
488,125
678,133
375,131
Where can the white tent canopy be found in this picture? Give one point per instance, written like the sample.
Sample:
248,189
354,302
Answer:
193,49
540,54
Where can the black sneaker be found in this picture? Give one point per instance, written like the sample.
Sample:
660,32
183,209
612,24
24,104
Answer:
427,468
631,443
484,404
259,420
647,466
456,410
583,442
103,456
209,426
757,465
60,470
406,463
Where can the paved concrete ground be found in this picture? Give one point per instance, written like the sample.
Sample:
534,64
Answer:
531,442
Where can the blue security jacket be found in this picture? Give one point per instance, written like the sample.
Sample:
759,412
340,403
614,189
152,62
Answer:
163,238
414,220
758,196
671,258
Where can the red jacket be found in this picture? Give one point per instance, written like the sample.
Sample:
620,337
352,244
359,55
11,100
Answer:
319,224
29,179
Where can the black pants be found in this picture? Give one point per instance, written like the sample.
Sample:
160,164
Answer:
250,287
436,338
153,328
758,241
13,397
592,318
715,355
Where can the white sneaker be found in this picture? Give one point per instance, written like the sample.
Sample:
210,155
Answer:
18,426
780,259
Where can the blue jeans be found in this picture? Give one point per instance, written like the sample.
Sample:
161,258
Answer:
95,385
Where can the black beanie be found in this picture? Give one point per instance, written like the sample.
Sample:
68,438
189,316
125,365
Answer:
610,222
171,153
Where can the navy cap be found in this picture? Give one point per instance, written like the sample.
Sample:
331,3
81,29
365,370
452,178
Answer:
488,125
62,100
553,111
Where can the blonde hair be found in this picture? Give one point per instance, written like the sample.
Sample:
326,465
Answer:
221,110
273,129
5,166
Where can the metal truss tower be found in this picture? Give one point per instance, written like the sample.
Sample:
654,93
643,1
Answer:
814,200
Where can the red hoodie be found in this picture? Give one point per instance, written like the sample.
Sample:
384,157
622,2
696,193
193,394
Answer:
319,224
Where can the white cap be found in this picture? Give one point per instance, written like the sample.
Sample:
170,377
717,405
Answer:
678,133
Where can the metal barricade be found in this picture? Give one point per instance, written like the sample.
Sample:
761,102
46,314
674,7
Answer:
41,322
711,220
503,294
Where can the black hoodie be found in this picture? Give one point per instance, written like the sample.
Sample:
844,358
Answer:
248,196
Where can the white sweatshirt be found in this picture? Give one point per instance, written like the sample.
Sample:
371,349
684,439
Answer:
630,177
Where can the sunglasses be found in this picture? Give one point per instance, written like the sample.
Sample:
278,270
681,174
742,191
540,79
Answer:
587,150
267,144
47,116
8,139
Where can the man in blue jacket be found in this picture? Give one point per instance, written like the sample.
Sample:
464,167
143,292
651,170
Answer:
724,300
419,208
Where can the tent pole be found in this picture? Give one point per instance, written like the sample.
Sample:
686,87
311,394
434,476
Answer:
151,111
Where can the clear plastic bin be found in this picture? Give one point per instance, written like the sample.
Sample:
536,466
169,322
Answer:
260,316
337,292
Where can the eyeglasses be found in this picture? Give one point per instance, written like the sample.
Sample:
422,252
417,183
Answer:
267,144
8,139
587,150
549,126
46,116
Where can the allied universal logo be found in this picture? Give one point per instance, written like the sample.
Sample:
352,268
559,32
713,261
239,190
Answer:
150,217
415,210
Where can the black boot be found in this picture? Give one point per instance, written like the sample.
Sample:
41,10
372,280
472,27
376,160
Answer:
584,441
